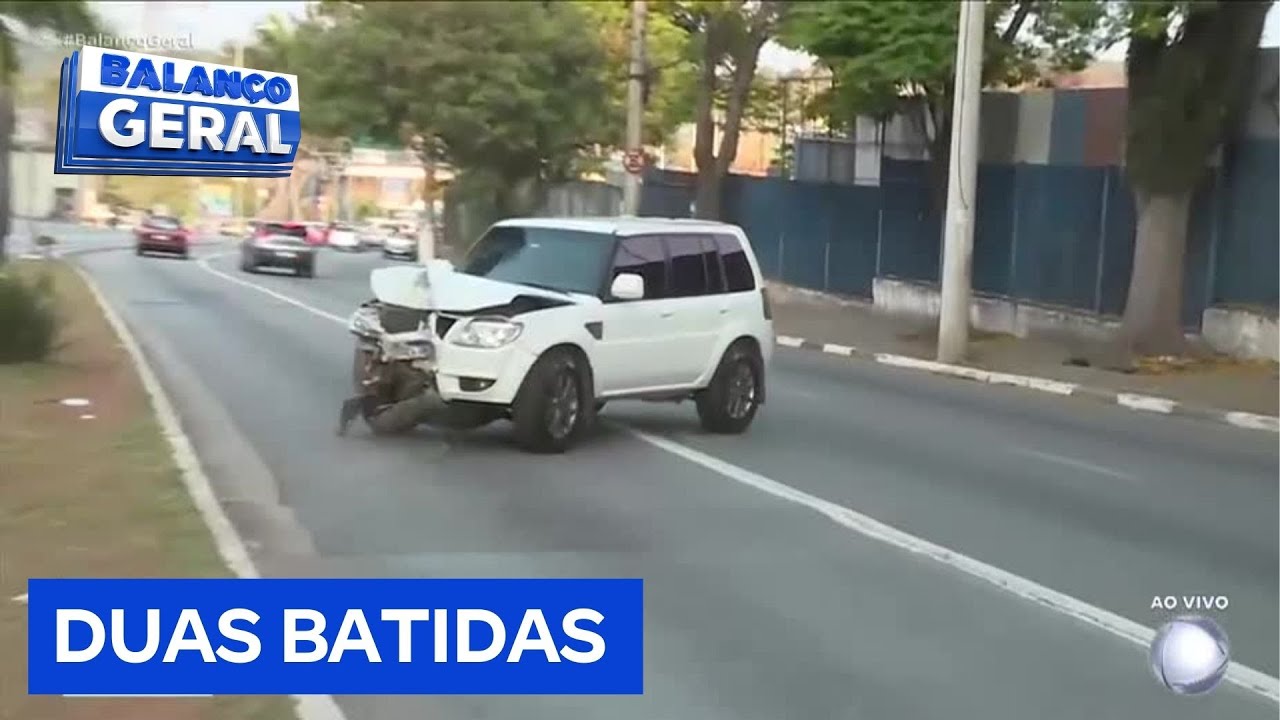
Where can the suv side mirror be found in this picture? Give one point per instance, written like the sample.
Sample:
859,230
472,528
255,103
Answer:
627,286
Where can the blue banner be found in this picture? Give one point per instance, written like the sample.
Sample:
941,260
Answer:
335,637
123,113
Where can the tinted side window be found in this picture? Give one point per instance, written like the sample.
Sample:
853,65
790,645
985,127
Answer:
711,260
644,256
688,275
737,269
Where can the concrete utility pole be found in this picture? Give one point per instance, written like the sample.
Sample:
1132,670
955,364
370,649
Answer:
962,186
424,147
635,105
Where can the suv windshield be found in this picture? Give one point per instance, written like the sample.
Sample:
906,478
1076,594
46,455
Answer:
163,223
549,258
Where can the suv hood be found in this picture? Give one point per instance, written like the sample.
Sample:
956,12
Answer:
437,286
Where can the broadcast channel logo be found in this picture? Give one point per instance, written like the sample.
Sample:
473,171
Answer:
1190,655
129,113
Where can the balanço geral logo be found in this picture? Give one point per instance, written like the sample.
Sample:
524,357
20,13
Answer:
127,113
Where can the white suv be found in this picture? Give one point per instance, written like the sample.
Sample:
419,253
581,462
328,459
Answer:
547,319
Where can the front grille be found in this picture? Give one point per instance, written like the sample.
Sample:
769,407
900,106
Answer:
397,319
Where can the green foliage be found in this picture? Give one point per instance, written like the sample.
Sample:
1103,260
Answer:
727,35
366,210
140,191
671,69
1190,65
57,17
515,89
882,51
28,318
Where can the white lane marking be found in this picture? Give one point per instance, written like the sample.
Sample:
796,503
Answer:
834,349
793,342
20,598
1245,677
1145,402
228,542
1073,463
1254,422
204,264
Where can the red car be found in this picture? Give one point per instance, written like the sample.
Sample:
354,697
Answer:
162,233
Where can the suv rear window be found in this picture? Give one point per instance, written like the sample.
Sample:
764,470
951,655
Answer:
737,268
163,222
280,229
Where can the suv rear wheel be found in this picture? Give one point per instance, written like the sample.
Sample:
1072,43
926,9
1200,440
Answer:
551,408
729,403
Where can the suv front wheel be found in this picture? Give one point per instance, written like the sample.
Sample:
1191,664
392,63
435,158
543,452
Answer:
729,403
551,408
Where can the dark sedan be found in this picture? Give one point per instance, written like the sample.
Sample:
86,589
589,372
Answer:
279,245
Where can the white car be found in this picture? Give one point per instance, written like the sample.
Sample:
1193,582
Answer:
549,318
400,246
343,237
373,234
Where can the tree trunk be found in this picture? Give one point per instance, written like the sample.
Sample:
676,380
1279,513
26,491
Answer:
1152,322
707,193
6,144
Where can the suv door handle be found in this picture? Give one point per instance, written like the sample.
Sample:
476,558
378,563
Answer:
666,313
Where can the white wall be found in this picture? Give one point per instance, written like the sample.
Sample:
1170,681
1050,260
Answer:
32,184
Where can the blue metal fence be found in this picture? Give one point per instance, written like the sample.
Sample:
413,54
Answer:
1056,234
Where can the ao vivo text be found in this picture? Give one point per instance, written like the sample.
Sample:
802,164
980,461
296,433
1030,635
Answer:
335,636
305,639
128,113
1190,602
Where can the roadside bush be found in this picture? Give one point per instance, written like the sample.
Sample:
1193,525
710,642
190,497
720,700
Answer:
28,319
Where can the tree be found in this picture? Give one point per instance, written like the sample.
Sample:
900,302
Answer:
1190,65
728,35
892,57
16,20
670,79
512,92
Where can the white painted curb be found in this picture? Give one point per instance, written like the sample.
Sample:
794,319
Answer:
1132,401
229,545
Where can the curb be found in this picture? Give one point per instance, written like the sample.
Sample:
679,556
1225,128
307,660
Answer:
1132,401
230,547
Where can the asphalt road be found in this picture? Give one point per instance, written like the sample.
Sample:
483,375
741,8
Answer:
756,605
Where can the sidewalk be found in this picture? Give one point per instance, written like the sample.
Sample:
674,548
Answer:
1208,381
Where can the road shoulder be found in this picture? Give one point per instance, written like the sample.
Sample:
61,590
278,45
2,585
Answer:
93,490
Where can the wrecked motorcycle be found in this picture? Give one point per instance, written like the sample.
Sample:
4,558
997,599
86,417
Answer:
393,370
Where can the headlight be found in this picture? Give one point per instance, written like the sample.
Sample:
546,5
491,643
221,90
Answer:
412,345
488,333
365,322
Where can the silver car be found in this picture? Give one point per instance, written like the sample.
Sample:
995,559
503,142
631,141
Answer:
400,246
279,245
